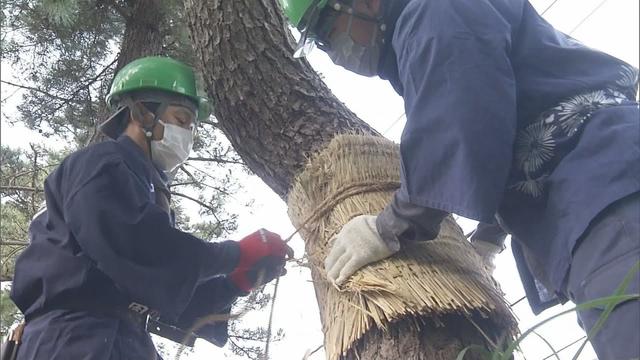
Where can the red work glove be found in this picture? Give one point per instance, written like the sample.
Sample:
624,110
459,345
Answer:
262,254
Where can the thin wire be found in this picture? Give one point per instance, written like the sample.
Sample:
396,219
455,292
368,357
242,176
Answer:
565,347
517,301
273,303
313,352
587,17
393,124
548,7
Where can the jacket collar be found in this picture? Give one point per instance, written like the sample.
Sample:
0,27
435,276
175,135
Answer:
139,163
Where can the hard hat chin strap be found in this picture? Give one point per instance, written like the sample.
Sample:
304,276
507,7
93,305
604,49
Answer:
140,113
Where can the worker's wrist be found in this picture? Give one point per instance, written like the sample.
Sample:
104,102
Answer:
219,258
387,233
486,248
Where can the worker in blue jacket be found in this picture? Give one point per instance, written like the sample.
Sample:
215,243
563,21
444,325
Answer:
105,264
507,118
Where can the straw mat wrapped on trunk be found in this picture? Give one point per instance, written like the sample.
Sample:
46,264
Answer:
357,175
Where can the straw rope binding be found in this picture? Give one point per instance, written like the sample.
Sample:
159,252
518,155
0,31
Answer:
357,175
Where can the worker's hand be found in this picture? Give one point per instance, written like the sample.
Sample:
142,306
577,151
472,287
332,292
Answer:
262,259
357,244
487,252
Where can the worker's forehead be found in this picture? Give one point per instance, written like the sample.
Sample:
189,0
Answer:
180,109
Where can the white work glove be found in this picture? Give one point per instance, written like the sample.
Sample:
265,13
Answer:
357,244
487,252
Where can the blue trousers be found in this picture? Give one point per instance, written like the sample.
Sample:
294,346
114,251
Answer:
79,335
604,255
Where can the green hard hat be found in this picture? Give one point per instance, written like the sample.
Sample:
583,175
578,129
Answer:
160,74
305,16
295,10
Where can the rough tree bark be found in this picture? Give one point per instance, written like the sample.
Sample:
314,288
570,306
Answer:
276,110
142,35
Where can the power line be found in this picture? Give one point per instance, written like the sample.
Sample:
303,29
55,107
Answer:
587,17
565,347
517,301
393,124
548,7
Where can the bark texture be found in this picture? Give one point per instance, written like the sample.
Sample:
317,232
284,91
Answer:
142,35
276,110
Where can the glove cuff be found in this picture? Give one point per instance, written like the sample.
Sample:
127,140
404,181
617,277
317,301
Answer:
241,281
227,255
485,248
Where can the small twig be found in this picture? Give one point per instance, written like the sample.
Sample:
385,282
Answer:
19,188
199,202
309,353
517,301
89,82
25,87
183,184
248,354
215,160
13,243
209,122
269,326
486,337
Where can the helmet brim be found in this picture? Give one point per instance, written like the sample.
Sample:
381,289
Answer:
115,124
314,30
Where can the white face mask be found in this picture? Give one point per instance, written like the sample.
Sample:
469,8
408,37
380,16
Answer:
354,57
173,149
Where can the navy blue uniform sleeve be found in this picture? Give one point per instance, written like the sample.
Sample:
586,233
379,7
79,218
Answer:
460,102
132,241
216,296
402,222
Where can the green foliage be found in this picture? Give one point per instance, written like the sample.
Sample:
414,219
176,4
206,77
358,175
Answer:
61,11
607,303
64,53
9,313
249,342
22,173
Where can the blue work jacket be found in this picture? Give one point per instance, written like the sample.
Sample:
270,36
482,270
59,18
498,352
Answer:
507,116
103,244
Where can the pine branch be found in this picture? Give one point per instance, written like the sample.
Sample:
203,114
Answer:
209,122
199,202
250,355
246,338
20,188
85,85
216,160
183,184
13,243
121,10
36,90
27,172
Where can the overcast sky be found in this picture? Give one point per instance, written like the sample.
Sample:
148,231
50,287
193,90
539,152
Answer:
612,28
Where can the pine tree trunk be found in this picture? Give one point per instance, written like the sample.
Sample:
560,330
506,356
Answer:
142,35
276,110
